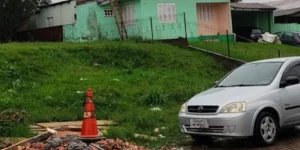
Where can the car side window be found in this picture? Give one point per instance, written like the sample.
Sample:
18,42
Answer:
256,31
279,34
288,36
294,71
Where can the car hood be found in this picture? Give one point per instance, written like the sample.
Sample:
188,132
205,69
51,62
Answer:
223,96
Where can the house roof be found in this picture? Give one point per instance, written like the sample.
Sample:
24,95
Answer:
285,4
287,12
78,2
103,2
251,7
58,3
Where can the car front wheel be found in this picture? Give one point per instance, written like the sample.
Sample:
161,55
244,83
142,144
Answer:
266,129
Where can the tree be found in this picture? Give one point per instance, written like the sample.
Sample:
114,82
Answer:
14,13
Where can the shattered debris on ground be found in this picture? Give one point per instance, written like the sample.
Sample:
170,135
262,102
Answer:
73,142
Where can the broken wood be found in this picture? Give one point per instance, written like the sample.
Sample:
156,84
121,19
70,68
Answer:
74,123
51,131
98,147
79,127
66,128
35,127
37,138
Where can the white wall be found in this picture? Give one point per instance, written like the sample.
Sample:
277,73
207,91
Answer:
56,15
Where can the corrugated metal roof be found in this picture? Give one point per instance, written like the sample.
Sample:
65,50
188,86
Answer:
286,12
257,6
57,3
78,2
285,4
104,2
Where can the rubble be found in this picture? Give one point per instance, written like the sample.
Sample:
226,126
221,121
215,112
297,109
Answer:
73,142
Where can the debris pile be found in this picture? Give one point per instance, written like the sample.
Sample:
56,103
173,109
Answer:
73,142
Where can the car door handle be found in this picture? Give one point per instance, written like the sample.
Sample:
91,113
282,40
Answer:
287,105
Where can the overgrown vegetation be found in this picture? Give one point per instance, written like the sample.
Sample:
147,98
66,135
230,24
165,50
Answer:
14,14
48,81
250,51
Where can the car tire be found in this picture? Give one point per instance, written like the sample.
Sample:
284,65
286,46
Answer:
266,129
202,139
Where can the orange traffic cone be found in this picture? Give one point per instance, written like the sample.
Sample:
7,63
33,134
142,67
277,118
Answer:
89,127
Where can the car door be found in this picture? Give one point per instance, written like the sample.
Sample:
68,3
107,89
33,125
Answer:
290,96
296,39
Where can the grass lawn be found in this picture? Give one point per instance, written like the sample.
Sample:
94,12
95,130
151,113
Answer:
46,81
250,51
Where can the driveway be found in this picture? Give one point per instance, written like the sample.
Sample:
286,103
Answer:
289,140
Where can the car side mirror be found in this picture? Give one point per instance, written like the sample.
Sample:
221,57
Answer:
291,80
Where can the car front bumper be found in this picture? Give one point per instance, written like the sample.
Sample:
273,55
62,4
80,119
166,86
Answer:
233,124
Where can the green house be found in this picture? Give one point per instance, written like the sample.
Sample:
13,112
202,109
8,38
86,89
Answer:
150,19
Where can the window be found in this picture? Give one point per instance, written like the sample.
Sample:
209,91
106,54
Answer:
295,71
167,12
206,12
128,14
256,31
279,34
255,74
50,21
108,12
288,36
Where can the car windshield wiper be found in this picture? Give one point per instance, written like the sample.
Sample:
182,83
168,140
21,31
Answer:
239,85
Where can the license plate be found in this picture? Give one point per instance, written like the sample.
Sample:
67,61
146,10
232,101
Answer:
199,123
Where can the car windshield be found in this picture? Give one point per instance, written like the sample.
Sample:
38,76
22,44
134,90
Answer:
256,31
255,74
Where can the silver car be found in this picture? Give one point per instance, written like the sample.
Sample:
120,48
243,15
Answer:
254,100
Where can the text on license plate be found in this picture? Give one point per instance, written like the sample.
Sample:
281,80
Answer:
199,123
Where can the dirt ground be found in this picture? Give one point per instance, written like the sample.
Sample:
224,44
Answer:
289,139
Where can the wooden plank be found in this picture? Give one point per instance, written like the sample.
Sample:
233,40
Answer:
74,123
79,127
35,127
41,129
42,136
12,140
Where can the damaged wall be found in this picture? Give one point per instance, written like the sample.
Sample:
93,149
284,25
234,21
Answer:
92,24
86,27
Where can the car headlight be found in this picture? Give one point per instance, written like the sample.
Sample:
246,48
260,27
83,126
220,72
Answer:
183,108
234,107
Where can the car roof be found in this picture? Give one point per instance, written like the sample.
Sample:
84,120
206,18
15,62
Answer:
284,59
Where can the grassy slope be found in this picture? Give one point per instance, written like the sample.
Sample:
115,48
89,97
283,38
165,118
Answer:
131,78
250,51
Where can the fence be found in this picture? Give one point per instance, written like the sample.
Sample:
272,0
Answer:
150,28
248,50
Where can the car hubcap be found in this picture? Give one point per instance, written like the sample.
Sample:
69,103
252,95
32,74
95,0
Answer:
268,129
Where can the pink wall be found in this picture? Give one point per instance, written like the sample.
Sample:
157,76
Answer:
221,19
